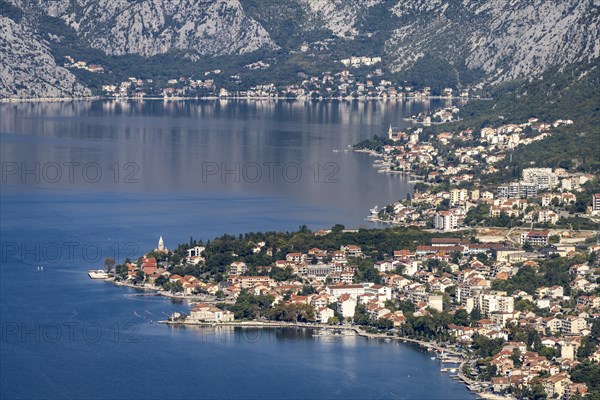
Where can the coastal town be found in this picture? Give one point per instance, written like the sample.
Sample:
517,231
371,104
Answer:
310,199
492,267
460,180
356,77
328,85
519,322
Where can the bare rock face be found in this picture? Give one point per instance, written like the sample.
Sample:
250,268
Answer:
525,37
28,69
339,16
505,38
150,27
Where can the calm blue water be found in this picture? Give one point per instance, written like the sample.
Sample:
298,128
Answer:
65,336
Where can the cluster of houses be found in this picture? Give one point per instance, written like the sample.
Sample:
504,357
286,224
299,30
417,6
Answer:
341,84
509,136
555,381
423,277
72,63
358,61
440,115
514,201
140,88
538,197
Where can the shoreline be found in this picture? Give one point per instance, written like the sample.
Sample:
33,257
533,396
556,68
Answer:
387,170
429,346
49,99
457,356
195,98
156,292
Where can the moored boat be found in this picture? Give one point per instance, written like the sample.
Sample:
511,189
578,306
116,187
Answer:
98,274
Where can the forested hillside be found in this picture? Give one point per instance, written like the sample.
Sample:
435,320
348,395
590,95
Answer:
571,93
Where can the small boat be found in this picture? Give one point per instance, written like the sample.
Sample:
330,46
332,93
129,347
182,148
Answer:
98,274
433,358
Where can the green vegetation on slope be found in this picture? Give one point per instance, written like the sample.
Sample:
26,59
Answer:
10,11
568,94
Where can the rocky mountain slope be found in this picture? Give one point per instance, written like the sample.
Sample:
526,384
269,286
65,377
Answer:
523,37
497,40
505,38
28,69
150,27
339,16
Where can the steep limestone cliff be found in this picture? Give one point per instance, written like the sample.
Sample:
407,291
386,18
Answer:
28,69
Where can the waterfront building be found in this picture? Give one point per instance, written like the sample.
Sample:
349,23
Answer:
324,314
246,282
208,313
347,305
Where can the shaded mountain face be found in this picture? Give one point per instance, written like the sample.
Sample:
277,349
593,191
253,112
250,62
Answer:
499,39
